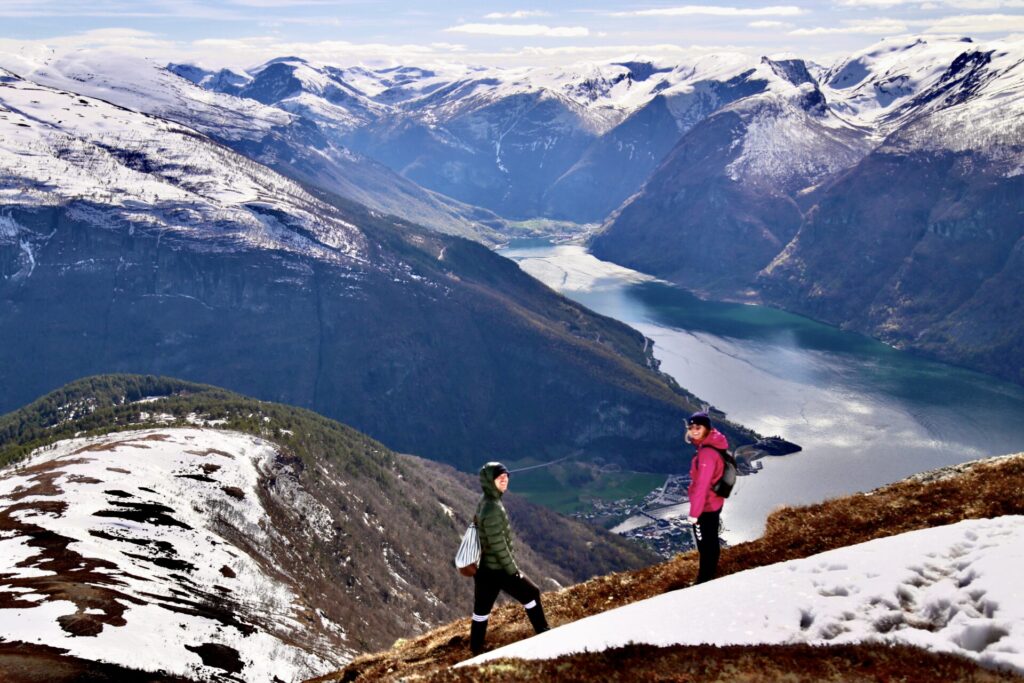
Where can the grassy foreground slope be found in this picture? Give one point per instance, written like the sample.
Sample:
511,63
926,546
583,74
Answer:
980,489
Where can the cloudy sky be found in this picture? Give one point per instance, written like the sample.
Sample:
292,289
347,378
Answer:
242,33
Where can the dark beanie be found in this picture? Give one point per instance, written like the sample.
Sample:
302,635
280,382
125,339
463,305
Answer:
498,469
700,418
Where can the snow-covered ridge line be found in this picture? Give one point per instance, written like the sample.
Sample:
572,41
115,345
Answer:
59,148
153,518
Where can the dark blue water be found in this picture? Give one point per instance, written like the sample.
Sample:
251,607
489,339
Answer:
865,413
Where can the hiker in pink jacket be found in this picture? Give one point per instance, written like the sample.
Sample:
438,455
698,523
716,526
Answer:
705,506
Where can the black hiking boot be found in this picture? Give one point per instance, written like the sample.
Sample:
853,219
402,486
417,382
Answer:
536,615
477,632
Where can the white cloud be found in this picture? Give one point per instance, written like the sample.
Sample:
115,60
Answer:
768,24
978,23
27,9
938,4
284,4
518,14
626,52
713,10
532,30
876,3
986,4
448,47
247,52
126,39
869,27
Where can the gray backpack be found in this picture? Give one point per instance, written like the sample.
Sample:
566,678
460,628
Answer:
723,487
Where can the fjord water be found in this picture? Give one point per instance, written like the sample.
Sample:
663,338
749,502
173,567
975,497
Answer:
866,414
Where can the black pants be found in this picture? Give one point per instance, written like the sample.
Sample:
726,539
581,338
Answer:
706,530
487,583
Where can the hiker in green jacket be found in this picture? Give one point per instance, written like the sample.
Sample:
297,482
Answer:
498,570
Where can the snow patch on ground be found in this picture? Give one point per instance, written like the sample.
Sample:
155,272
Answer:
149,520
952,589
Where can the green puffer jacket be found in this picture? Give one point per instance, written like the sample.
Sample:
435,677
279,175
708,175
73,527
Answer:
492,526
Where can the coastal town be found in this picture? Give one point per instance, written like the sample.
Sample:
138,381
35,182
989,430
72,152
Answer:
659,521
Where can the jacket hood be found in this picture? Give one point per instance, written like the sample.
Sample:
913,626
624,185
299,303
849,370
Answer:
488,473
715,439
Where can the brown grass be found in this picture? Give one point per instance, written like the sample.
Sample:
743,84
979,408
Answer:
983,489
707,664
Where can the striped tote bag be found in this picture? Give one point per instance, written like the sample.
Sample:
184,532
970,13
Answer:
468,556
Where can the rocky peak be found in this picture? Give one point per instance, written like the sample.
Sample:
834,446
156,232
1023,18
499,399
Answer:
792,70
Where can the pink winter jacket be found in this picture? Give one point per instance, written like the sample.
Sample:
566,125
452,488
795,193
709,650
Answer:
705,469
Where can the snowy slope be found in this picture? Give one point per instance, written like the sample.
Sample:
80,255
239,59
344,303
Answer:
949,589
934,93
59,148
792,138
870,86
311,89
976,105
141,85
149,550
270,135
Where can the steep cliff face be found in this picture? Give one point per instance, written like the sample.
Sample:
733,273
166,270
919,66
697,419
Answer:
920,250
427,356
614,165
501,151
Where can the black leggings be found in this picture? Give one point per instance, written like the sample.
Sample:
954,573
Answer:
706,530
487,583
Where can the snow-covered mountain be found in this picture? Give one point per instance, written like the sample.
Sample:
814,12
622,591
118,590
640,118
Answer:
160,250
575,142
878,85
294,146
723,203
884,197
946,589
920,243
522,142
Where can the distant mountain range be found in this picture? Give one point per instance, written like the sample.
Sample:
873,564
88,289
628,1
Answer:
165,526
135,243
287,143
733,176
566,143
